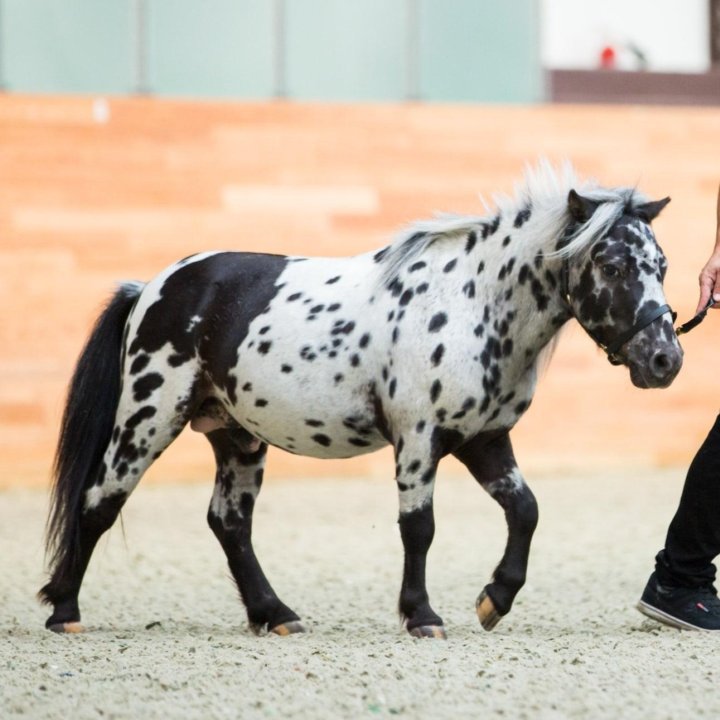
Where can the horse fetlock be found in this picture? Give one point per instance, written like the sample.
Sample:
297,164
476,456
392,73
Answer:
65,617
274,616
419,618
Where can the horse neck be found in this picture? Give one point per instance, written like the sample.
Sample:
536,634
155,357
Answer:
534,277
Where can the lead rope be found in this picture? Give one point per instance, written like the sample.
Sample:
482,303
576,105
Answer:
695,321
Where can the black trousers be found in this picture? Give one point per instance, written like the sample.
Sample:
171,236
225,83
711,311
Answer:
693,538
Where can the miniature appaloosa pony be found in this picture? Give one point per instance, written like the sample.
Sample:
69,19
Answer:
430,344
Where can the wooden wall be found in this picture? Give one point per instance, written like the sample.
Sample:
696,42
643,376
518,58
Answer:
92,193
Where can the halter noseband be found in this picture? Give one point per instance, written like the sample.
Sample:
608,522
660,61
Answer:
646,317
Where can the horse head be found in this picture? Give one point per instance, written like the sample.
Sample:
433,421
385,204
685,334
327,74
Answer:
614,287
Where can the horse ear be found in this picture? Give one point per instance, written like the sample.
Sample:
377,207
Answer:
581,209
649,211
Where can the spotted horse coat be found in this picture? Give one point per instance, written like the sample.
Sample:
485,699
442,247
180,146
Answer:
430,344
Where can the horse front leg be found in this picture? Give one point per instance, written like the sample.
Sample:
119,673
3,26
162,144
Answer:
491,461
415,477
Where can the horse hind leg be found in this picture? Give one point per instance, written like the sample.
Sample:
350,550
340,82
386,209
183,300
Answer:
492,464
146,422
415,478
240,462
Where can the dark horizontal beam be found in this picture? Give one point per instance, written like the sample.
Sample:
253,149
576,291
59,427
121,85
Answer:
647,88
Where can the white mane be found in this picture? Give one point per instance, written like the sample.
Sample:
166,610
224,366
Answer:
545,191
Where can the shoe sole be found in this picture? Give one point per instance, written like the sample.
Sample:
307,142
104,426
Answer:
660,616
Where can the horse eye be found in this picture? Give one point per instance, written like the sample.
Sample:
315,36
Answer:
610,271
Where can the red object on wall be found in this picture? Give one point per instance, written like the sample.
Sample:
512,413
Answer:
607,58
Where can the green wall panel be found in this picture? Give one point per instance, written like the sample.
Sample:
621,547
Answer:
346,50
67,45
350,50
220,48
480,50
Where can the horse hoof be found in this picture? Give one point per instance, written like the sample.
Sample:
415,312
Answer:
487,614
67,627
429,631
289,628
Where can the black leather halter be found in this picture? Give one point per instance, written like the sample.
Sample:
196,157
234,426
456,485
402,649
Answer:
612,348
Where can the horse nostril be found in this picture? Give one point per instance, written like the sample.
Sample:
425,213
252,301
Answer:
660,364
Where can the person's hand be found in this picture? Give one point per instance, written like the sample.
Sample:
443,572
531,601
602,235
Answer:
710,275
710,282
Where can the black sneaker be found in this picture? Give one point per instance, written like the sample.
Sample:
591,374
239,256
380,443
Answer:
682,607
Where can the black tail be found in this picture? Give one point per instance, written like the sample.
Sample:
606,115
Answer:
86,428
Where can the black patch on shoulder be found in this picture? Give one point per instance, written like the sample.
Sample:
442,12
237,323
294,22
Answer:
333,307
417,266
294,296
406,297
437,321
506,240
264,347
421,288
450,266
321,439
364,340
144,386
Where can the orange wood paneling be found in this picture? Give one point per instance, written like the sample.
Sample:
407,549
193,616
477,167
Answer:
84,203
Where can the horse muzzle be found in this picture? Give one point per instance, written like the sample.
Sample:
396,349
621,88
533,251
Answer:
657,367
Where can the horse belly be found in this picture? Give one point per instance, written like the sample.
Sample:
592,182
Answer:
308,421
